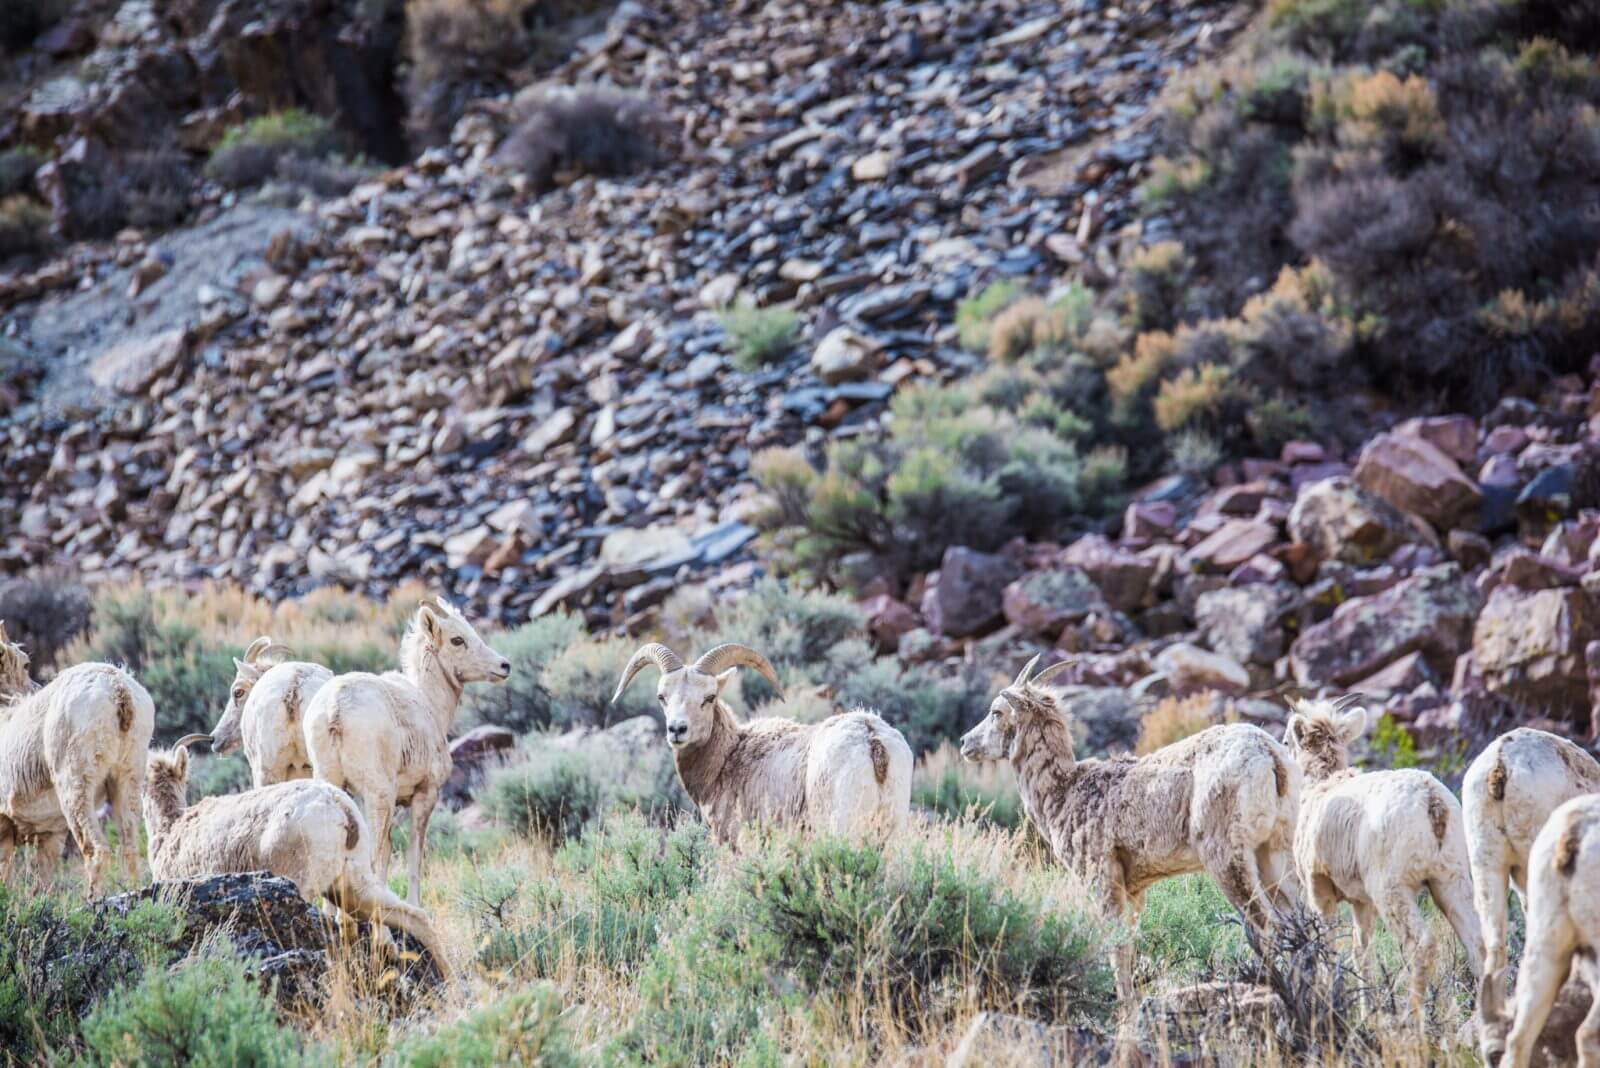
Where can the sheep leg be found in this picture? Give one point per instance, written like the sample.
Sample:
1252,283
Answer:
422,804
47,851
1453,894
1404,917
1277,875
1236,873
1491,871
380,906
79,808
1119,904
1589,1035
1545,965
379,810
123,795
8,847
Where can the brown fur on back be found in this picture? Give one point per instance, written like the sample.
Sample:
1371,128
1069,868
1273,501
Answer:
124,708
1567,850
1497,777
1280,775
880,760
352,830
1438,816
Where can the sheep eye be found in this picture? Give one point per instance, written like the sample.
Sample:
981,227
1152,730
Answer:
661,697
707,702
238,695
458,640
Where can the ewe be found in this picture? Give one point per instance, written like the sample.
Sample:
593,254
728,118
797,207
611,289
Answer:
265,713
847,775
385,738
1506,797
1222,801
64,750
309,832
1563,878
1377,839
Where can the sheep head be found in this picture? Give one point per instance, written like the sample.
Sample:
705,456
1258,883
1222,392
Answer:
263,655
166,782
464,656
13,666
1320,732
688,694
1019,704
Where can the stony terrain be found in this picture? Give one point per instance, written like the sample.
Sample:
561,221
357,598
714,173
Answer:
448,376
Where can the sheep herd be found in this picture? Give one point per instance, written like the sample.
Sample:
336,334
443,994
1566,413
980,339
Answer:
1278,825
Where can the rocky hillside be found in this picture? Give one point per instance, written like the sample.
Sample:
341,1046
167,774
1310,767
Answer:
532,396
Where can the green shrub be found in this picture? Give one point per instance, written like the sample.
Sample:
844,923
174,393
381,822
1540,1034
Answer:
207,1014
582,679
524,1028
45,612
1392,745
1187,927
24,227
552,794
523,703
835,914
926,708
57,960
634,876
251,152
975,314
186,677
945,784
760,336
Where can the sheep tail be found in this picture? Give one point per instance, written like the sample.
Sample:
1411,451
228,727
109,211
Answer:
1567,851
352,829
880,759
124,701
1438,816
1497,776
291,701
1280,774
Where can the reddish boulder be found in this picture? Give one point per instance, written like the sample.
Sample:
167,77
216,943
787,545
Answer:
1043,602
1415,476
1454,435
965,598
1343,521
1431,612
1529,647
1235,542
888,620
1123,577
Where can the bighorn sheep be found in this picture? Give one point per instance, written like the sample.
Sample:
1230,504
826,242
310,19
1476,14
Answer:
309,832
1507,795
1222,801
385,738
64,750
1563,877
1377,838
265,713
847,775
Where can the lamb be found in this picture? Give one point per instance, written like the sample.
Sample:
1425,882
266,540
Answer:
848,775
1507,795
385,738
64,750
1563,878
1377,838
1222,801
309,832
265,713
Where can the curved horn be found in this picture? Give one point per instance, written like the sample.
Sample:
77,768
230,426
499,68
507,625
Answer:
1052,671
1344,702
277,652
653,653
1140,688
1027,671
716,660
189,739
257,647
3,636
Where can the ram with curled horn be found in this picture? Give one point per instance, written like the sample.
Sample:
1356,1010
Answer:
265,711
850,774
1222,801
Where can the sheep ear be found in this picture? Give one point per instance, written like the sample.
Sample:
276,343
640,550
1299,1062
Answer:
180,762
239,666
1353,724
429,617
725,677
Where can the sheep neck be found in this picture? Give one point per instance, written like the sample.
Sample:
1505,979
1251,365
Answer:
167,803
1322,765
700,766
1044,760
420,664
